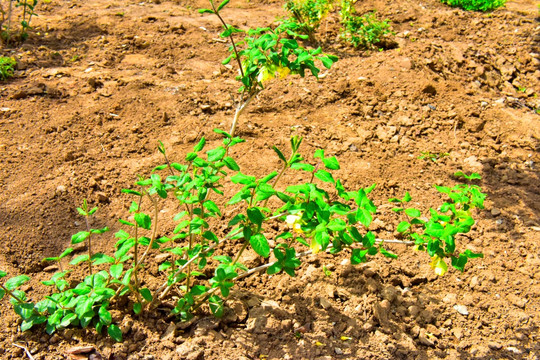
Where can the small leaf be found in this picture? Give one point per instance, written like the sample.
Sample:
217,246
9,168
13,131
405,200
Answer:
15,282
79,259
231,164
331,163
146,294
114,332
260,245
79,237
324,176
222,5
116,270
143,220
279,154
216,305
403,226
137,308
205,11
413,212
200,145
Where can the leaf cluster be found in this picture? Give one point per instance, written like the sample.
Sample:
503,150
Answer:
475,5
364,31
7,67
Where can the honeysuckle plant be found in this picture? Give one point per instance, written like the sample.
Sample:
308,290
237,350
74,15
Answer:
264,54
318,215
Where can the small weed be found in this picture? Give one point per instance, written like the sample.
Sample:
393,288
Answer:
306,15
364,31
428,155
7,67
475,5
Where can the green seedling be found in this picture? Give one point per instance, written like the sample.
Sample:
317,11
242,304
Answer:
264,54
475,5
428,155
7,67
437,233
364,31
306,15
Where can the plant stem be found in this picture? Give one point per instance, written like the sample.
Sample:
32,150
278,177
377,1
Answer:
89,243
154,230
10,293
230,37
239,109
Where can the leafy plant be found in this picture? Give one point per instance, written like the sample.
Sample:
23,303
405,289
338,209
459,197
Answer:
319,215
28,7
475,5
437,233
7,67
428,155
364,31
263,54
306,15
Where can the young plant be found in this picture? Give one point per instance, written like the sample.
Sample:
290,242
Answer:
475,5
264,54
7,67
27,7
315,216
306,15
364,31
428,155
437,233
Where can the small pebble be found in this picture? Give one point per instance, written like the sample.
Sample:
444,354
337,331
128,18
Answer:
462,309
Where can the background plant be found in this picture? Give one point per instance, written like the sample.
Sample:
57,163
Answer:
7,67
25,15
318,215
306,15
475,5
266,53
364,31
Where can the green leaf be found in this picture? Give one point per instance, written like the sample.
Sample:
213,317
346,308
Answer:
279,154
2,273
240,178
327,61
403,226
24,310
205,11
2,293
364,216
459,262
200,145
98,259
212,207
222,132
143,220
15,282
137,308
255,216
325,176
216,305
471,255
114,332
303,166
216,154
331,163
231,164
125,222
146,294
259,243
387,253
67,320
79,237
222,5
79,259
413,212
116,270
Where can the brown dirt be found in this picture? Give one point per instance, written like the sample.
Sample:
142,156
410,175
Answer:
100,82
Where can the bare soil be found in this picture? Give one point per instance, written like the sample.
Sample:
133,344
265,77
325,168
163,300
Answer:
100,82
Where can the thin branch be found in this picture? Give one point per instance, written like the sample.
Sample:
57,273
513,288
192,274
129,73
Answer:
25,350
